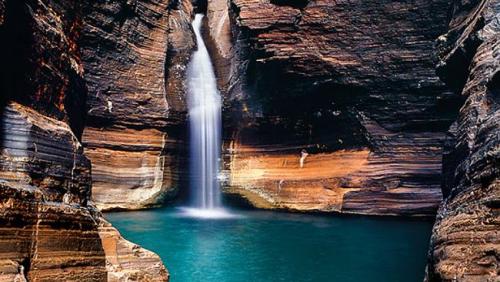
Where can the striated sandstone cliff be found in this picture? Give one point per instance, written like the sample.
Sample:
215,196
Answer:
465,244
126,261
350,81
134,55
49,228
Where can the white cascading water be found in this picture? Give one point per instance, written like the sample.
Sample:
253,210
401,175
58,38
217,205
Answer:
204,104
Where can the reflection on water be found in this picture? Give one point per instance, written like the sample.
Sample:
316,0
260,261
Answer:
269,246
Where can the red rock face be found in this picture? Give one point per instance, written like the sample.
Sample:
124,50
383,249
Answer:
41,62
49,228
47,224
466,238
326,76
126,261
134,55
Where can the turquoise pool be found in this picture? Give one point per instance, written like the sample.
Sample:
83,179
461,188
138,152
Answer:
273,246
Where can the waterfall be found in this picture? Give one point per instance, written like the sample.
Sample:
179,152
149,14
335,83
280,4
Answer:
204,104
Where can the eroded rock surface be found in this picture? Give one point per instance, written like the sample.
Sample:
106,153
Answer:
134,55
126,261
49,228
328,77
465,244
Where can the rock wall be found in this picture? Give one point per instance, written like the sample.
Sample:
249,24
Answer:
352,81
49,228
465,243
126,261
134,55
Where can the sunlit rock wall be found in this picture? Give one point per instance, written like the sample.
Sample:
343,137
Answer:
134,55
351,82
49,228
465,243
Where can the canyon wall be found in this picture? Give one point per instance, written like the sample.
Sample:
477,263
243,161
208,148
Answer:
352,83
49,228
134,55
465,243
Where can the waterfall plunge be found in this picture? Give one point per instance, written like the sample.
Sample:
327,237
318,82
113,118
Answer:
204,104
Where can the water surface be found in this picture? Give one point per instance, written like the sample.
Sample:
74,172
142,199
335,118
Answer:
270,246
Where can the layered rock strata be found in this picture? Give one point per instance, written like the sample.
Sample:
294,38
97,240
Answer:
48,231
465,243
134,55
333,78
126,261
49,228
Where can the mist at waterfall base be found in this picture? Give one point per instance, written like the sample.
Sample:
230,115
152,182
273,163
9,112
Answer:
272,246
204,104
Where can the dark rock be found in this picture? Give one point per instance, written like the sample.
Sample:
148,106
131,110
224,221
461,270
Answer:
47,224
465,243
134,63
49,228
333,77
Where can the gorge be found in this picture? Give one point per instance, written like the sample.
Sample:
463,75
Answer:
353,124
